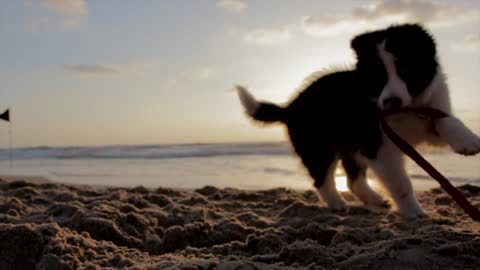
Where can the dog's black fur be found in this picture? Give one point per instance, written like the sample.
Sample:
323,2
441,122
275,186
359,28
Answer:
325,124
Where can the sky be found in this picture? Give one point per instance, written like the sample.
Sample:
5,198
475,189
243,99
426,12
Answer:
77,72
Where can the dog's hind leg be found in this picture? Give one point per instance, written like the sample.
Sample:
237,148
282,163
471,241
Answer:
390,169
356,169
321,162
323,174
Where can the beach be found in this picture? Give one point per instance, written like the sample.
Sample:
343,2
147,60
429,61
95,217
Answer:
48,225
197,135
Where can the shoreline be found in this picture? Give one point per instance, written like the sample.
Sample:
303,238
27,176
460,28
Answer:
419,183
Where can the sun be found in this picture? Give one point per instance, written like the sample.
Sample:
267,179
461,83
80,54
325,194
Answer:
341,183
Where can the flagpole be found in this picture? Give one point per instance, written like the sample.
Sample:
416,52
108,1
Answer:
10,144
6,116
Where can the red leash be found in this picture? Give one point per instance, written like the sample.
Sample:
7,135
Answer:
459,198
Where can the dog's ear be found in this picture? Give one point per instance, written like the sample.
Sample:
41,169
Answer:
401,36
367,42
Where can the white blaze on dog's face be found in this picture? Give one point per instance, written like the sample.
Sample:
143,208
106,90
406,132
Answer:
395,94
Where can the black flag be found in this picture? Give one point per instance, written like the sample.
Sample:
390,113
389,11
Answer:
6,115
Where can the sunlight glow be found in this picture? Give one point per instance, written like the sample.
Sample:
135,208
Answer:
341,183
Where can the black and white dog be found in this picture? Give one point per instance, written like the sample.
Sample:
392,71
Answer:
336,116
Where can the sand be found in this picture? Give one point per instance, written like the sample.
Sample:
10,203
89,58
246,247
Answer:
55,226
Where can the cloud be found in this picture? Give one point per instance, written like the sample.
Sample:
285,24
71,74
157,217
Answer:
204,73
93,69
321,26
37,25
389,11
470,43
236,6
427,12
196,75
267,36
45,14
133,68
74,12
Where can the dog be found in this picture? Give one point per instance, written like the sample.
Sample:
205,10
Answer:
336,116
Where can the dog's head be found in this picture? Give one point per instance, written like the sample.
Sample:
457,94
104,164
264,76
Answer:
395,65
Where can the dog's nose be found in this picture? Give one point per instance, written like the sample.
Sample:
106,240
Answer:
392,103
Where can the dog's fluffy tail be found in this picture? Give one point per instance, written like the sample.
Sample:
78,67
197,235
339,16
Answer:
261,111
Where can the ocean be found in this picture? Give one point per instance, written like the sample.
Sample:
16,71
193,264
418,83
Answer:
241,165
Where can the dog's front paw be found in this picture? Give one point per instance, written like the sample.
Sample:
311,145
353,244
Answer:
368,196
414,210
460,138
374,199
338,205
469,147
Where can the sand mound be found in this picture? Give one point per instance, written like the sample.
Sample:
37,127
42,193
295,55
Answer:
54,226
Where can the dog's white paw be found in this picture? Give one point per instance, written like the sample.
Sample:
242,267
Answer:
331,197
376,200
370,197
460,138
339,205
365,193
410,209
412,213
470,146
